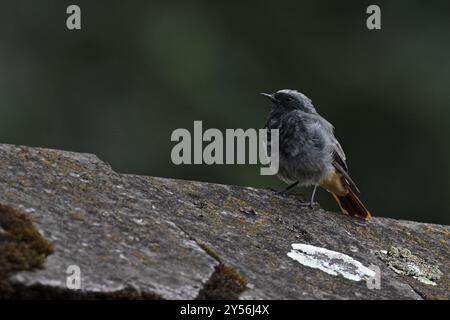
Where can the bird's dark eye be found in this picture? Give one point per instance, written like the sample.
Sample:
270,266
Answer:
288,99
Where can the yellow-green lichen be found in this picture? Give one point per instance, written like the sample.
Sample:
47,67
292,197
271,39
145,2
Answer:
403,262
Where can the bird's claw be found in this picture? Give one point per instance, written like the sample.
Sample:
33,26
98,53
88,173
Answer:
309,204
282,193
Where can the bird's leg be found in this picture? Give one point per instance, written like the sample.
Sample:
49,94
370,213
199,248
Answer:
311,203
289,187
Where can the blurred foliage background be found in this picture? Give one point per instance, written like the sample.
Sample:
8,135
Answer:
140,69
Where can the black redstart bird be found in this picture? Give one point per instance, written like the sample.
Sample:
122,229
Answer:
309,153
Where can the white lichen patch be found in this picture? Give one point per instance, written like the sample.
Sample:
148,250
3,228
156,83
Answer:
331,262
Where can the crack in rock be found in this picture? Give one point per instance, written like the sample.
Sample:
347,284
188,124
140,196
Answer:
225,283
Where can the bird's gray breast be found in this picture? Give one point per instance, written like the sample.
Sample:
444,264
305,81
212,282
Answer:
305,147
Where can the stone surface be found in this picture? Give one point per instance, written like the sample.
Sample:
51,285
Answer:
145,237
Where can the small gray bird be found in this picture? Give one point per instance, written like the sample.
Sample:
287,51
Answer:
309,153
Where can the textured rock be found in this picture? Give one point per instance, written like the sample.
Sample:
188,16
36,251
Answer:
145,237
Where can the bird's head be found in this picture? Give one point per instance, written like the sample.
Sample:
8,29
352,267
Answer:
289,100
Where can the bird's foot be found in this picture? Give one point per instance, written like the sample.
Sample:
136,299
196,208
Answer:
283,193
287,194
309,204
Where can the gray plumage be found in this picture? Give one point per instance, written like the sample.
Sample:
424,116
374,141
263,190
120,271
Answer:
308,149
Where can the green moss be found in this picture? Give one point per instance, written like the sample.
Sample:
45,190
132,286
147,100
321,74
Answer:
22,247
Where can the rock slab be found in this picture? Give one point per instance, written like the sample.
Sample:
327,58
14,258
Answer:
136,237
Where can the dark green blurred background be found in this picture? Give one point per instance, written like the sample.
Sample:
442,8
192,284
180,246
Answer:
140,69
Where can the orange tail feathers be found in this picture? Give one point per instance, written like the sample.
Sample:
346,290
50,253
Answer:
351,205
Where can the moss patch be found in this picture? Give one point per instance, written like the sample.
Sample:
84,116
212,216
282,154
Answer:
22,247
226,283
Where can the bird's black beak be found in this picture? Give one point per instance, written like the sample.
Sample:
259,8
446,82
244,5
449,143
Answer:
270,96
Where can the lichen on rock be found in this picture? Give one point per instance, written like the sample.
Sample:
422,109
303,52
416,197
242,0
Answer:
331,262
403,262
